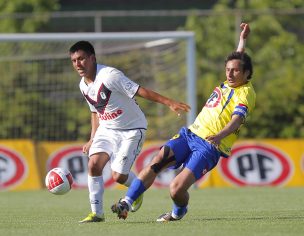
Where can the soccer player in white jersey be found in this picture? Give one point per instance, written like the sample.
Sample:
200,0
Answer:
118,124
199,147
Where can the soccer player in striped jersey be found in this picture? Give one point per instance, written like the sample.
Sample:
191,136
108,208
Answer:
199,147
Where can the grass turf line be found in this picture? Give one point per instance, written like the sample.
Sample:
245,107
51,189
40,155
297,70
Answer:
214,211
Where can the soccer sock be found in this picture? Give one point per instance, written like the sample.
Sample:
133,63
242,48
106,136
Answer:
96,189
178,211
131,176
135,190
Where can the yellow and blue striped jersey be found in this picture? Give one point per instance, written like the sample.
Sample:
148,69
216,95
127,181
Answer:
223,103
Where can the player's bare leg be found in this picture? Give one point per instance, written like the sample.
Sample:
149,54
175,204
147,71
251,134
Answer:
163,160
180,185
146,177
180,196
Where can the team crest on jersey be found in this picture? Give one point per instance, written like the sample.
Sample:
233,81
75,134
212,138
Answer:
92,93
214,99
128,86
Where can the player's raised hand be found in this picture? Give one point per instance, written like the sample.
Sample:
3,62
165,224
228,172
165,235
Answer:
244,34
245,30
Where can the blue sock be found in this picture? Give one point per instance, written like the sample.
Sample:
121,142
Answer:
179,211
135,190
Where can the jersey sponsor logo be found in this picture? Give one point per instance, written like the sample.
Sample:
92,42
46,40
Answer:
214,98
72,158
13,169
109,115
256,165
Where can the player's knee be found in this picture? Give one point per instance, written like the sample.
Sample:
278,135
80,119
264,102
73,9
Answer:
174,189
119,178
156,167
162,160
93,168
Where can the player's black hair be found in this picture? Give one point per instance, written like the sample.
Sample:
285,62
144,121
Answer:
245,61
84,46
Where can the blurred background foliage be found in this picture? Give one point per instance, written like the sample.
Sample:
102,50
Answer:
275,45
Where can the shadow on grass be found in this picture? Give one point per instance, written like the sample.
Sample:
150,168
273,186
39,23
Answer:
251,218
224,219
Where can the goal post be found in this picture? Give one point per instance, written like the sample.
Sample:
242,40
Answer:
161,53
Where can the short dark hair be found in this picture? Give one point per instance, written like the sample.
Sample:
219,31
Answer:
245,61
84,46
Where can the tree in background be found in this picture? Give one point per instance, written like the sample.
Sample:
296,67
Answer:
22,85
10,25
276,47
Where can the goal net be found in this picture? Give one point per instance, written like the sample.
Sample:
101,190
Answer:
40,97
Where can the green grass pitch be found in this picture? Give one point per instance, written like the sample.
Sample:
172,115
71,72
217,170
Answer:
215,211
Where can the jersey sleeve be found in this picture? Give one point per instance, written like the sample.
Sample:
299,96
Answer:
245,104
118,81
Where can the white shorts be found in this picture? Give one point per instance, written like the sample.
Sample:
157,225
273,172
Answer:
123,146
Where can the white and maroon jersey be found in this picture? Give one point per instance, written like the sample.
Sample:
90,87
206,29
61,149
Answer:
111,95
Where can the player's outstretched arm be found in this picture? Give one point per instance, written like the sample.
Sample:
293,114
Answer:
243,36
156,97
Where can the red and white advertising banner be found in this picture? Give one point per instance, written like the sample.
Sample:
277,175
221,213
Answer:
70,156
18,166
262,163
269,162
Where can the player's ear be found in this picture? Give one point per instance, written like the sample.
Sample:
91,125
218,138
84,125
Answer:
93,57
247,73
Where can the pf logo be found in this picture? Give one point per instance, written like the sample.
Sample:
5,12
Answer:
12,168
72,158
164,178
256,165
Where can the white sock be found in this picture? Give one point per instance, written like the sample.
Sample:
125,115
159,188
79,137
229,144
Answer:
96,189
131,176
128,201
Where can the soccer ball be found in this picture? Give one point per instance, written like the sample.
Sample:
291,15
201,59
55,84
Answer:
59,181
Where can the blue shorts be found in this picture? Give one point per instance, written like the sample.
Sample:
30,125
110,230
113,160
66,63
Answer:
193,152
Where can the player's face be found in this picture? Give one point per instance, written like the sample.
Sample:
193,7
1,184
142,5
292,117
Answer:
234,74
84,64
